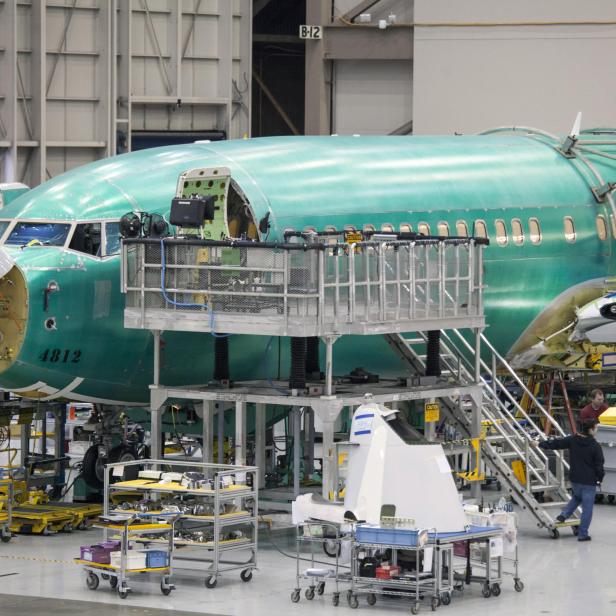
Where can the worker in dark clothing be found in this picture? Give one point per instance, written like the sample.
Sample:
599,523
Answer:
585,472
595,407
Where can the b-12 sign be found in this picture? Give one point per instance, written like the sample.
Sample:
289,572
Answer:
310,32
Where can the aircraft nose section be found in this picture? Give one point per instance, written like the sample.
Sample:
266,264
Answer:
13,309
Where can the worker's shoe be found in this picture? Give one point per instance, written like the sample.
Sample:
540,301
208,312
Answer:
587,538
560,518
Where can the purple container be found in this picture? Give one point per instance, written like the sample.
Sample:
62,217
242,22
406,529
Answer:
99,552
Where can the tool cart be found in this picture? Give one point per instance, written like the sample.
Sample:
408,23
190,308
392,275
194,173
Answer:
117,561
399,562
333,539
216,507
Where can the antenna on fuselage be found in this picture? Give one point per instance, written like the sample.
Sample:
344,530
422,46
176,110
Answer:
571,140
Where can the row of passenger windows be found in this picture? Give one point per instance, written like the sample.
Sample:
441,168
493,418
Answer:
515,233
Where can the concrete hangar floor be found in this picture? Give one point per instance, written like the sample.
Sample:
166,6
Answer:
561,577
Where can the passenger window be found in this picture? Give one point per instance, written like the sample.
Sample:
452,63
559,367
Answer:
112,238
569,229
369,228
424,228
501,232
443,229
601,227
349,228
481,230
87,238
387,228
330,229
517,233
406,228
535,230
613,224
461,229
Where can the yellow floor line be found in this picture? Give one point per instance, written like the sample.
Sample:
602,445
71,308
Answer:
37,559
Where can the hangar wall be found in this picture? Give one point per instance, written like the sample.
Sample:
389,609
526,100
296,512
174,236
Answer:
78,78
467,78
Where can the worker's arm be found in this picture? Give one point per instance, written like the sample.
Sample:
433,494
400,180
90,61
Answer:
556,443
599,462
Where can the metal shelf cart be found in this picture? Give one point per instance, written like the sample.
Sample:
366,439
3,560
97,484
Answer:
128,528
226,498
322,534
414,584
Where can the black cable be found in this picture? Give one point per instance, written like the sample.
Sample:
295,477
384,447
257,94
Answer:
295,557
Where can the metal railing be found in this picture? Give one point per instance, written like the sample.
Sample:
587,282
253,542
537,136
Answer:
303,289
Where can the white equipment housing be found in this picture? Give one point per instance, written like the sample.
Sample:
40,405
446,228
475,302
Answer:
414,481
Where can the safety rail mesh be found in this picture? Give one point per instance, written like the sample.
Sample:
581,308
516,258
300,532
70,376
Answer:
325,284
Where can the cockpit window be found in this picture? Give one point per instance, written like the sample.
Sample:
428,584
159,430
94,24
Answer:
45,233
112,243
87,238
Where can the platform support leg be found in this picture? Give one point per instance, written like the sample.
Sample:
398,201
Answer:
221,433
240,432
260,441
207,450
297,446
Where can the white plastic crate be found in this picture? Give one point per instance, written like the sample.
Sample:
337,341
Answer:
135,560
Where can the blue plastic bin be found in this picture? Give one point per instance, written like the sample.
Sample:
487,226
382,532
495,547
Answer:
364,533
156,558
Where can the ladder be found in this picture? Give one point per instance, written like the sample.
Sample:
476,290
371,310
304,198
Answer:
556,377
540,489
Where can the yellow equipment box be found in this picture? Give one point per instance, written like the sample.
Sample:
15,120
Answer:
608,418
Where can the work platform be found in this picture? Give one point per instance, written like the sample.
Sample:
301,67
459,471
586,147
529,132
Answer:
303,289
322,286
314,286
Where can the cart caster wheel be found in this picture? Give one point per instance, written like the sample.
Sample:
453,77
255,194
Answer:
320,588
211,581
295,596
434,603
309,594
371,599
83,526
47,530
518,585
486,591
68,528
575,530
554,533
92,581
336,599
611,498
6,538
105,576
599,498
496,590
165,587
123,593
113,582
446,598
353,602
246,575
349,595
331,548
415,608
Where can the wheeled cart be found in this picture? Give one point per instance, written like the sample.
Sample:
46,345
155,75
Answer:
333,541
429,576
6,511
129,528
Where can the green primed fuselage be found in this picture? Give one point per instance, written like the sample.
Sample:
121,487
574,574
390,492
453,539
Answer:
318,182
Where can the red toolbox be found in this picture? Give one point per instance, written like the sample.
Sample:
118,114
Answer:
386,572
